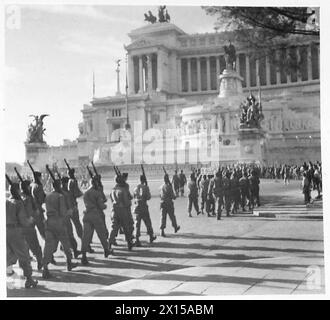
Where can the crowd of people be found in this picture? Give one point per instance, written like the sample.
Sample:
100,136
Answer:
55,212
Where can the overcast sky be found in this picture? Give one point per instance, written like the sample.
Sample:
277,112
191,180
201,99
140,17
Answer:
49,62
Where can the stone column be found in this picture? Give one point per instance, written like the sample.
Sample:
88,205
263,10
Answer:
288,75
109,126
298,58
199,88
179,75
159,70
278,73
237,64
247,64
130,74
257,73
208,74
267,71
149,72
140,74
189,74
217,63
309,62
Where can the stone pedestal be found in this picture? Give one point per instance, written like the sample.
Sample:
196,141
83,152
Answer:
251,145
230,84
35,152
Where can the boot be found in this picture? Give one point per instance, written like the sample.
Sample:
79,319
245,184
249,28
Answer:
190,216
30,283
46,274
198,213
71,265
177,229
39,265
163,233
90,250
129,246
152,238
107,253
53,261
137,242
76,253
84,260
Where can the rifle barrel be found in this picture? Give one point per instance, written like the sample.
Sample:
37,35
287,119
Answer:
18,175
28,162
67,164
50,172
8,180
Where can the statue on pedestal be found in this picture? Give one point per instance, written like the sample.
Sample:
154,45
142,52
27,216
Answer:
36,131
251,113
230,56
150,17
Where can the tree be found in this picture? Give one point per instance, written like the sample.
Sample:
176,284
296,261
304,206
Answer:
260,29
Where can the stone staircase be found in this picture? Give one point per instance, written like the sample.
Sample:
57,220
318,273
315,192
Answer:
292,211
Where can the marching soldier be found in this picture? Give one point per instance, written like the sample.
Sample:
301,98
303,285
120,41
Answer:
121,214
93,220
166,205
176,183
29,231
55,232
141,211
193,195
216,189
244,190
183,182
131,220
254,188
227,192
235,192
39,196
210,204
204,186
76,193
17,248
67,222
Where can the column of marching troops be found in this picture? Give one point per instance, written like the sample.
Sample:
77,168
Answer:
25,213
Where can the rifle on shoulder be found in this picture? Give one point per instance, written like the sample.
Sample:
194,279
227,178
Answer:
144,174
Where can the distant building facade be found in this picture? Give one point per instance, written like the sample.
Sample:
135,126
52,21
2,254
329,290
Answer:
170,71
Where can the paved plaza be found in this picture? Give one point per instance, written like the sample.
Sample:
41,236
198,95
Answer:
277,250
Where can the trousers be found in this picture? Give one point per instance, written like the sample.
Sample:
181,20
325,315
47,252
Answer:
17,249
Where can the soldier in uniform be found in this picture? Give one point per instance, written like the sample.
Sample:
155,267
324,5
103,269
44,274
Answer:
235,192
17,248
254,188
94,220
130,216
29,231
216,190
39,196
121,214
204,186
76,193
166,205
193,195
183,181
227,191
55,232
244,190
70,207
176,183
141,211
210,204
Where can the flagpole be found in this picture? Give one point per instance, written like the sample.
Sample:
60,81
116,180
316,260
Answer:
127,126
